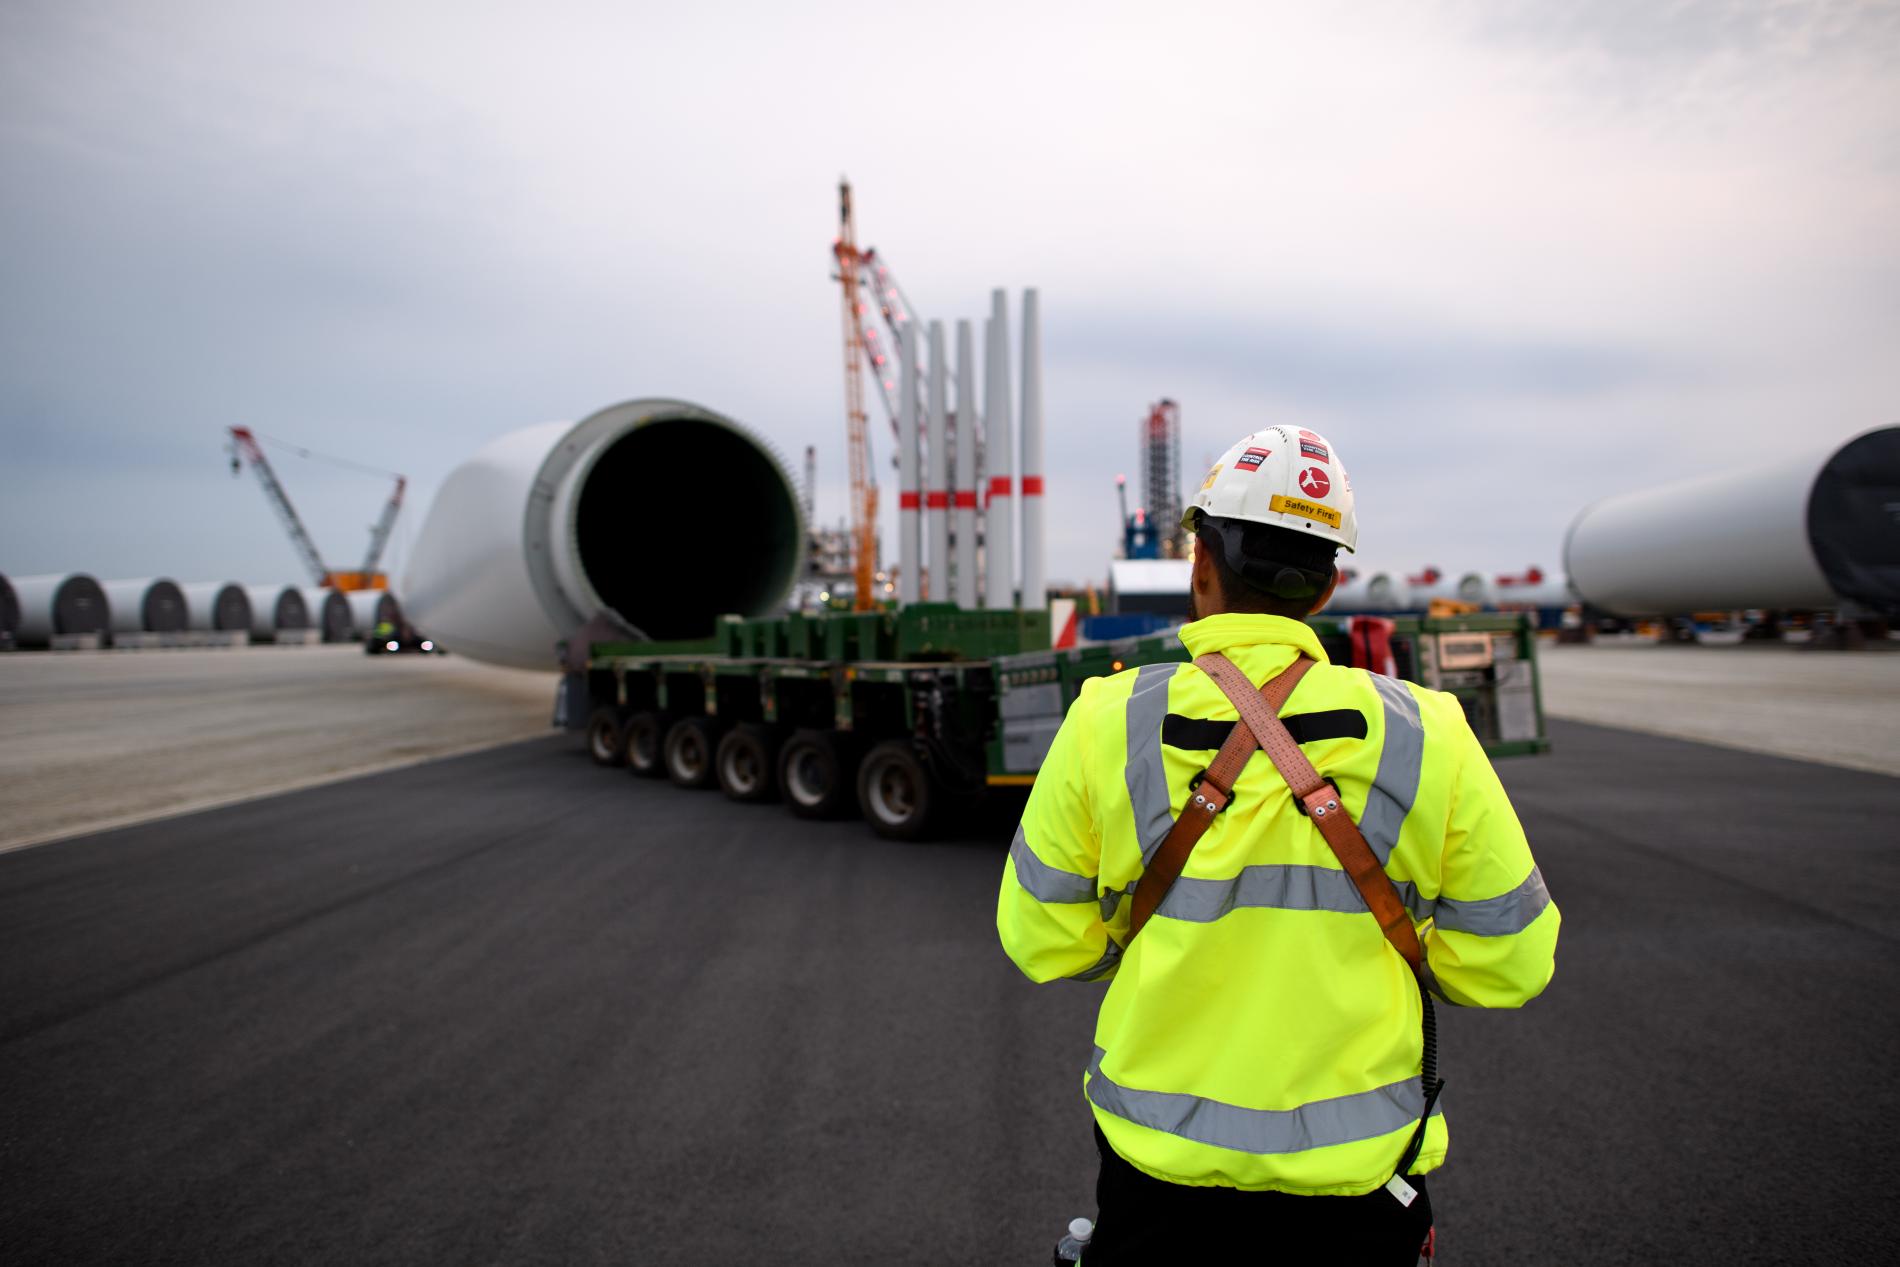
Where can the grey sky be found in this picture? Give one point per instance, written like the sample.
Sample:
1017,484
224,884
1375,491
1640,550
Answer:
1510,257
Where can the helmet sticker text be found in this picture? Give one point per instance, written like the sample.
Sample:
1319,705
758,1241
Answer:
1251,460
1305,510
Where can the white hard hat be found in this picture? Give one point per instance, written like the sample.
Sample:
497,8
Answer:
1285,477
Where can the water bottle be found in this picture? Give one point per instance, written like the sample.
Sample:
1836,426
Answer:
1069,1248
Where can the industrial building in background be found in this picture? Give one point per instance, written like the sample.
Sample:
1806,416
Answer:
1161,478
1148,582
1139,538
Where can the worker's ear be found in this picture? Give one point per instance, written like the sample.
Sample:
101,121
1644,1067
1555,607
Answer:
1326,595
1204,581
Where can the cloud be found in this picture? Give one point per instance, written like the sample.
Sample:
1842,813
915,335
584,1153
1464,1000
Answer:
1372,365
1667,37
1496,251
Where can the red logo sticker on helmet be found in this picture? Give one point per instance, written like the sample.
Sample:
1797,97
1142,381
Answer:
1252,458
1313,482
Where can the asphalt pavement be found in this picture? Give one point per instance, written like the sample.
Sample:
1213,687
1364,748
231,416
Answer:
512,1008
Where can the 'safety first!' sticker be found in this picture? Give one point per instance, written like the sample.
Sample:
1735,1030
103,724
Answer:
1305,509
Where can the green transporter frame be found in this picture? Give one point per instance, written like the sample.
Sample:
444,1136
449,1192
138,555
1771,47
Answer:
895,714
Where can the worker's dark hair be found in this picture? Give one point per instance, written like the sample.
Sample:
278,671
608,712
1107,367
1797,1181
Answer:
1264,568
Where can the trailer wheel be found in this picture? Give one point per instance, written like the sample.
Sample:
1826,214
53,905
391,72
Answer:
895,791
814,774
606,737
643,740
690,745
747,763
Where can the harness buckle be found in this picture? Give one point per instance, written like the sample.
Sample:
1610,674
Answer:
1200,802
1331,806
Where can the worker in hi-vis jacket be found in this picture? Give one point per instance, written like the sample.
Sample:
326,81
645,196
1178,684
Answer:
1256,1075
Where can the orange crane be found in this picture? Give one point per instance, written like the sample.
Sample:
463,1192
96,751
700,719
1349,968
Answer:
857,443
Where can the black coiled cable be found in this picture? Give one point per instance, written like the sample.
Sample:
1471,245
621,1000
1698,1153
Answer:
1428,1079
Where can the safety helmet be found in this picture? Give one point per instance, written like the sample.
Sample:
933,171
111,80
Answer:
1281,476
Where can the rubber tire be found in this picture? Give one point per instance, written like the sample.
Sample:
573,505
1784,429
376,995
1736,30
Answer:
814,774
896,794
606,737
747,763
644,741
691,743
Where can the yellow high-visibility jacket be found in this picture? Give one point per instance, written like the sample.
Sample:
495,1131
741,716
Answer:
1262,1033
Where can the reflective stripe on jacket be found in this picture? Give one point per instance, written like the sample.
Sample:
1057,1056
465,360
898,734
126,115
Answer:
1262,1033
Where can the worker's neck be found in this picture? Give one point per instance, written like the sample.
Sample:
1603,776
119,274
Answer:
1203,605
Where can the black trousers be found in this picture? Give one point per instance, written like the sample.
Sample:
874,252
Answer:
1144,1222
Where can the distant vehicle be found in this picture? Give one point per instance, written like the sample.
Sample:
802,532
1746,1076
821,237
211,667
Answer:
389,638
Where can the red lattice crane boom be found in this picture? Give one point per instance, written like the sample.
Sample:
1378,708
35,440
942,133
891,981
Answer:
244,447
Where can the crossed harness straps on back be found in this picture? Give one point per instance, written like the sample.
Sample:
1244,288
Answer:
1260,727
